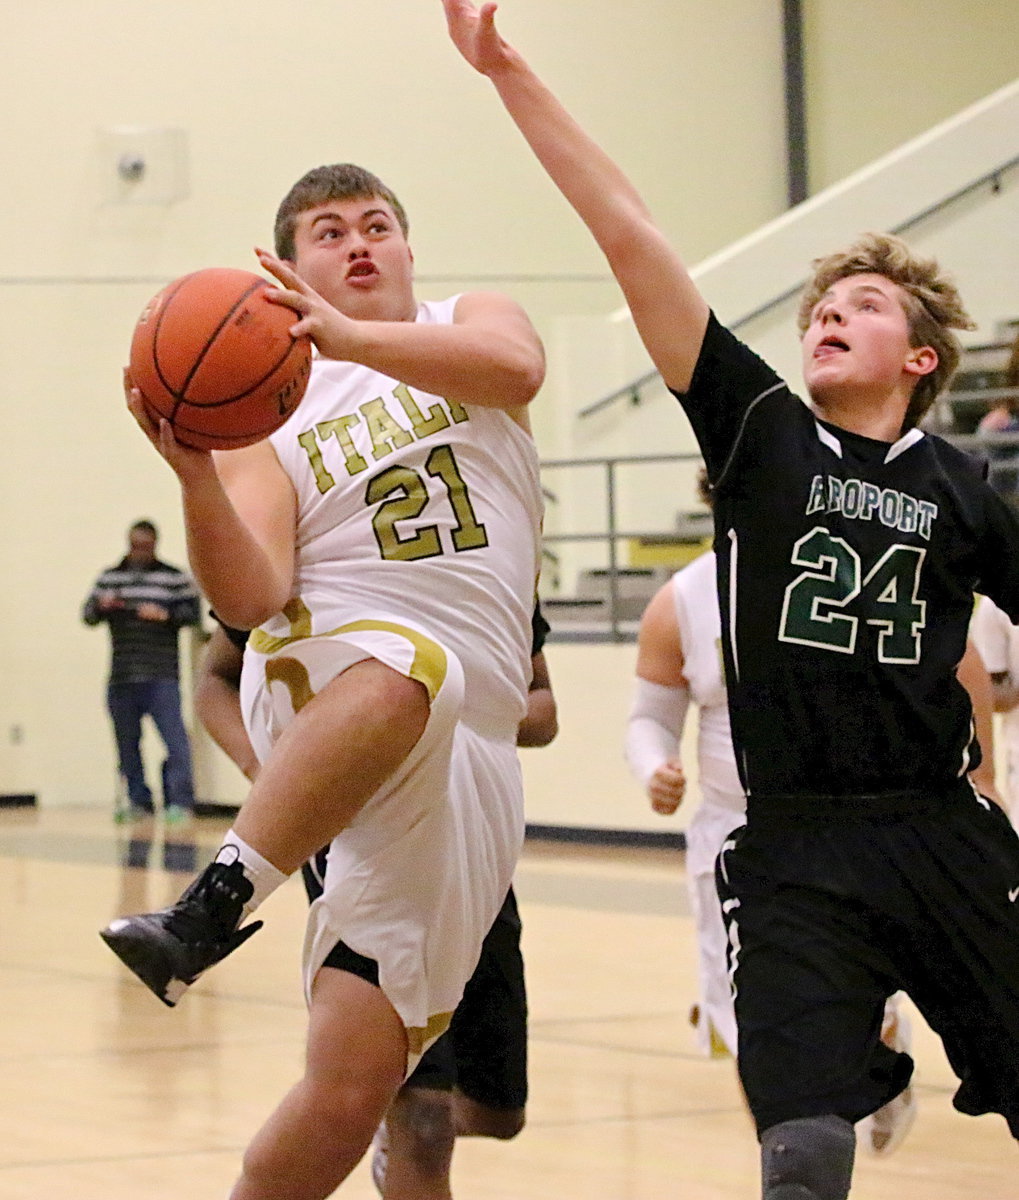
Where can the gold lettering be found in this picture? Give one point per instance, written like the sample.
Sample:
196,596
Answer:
419,1036
323,480
386,434
339,428
421,424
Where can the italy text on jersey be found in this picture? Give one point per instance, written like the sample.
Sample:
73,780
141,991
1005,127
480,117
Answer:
383,427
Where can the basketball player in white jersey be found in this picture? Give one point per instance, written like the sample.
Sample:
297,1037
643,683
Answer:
997,639
383,546
679,661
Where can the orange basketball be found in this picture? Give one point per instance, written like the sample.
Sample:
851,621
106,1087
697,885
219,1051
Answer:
214,357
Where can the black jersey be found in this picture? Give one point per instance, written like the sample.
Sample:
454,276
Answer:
846,572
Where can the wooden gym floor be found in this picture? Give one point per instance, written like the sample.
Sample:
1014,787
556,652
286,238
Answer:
108,1095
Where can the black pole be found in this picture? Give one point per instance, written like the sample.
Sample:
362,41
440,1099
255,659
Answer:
795,103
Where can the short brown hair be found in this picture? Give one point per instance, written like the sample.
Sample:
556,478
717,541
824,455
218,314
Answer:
932,305
339,181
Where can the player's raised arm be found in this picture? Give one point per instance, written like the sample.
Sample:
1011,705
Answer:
217,700
669,312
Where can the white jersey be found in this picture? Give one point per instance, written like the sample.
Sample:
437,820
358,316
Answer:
997,640
723,805
419,511
696,600
417,545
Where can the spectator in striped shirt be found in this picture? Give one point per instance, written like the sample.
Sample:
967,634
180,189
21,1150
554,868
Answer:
145,602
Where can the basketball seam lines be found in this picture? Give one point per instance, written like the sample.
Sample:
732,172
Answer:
254,387
153,349
209,341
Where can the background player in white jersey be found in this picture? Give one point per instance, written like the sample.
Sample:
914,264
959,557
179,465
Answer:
997,639
679,662
849,546
385,544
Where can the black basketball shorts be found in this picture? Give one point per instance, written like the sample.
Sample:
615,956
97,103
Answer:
484,1051
831,906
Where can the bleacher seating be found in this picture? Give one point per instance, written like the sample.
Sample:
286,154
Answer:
978,385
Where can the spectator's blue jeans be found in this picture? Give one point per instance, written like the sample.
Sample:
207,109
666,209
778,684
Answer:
160,699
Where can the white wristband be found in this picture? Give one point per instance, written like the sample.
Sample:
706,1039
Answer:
654,727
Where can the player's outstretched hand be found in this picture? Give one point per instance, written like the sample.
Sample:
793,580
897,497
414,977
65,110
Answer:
334,334
475,36
666,787
184,460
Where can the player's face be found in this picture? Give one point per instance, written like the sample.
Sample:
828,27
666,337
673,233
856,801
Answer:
354,254
858,341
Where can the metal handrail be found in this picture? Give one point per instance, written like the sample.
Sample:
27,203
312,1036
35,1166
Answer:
990,395
612,535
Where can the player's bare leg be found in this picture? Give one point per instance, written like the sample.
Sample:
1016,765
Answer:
339,749
419,1137
330,760
356,1057
414,1153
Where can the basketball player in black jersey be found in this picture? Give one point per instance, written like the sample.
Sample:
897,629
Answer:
849,546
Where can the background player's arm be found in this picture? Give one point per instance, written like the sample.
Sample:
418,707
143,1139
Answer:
658,713
670,314
974,678
541,723
217,700
993,633
490,355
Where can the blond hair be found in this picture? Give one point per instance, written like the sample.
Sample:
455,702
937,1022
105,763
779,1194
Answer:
931,302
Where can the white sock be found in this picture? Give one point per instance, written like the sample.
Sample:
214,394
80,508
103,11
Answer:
260,873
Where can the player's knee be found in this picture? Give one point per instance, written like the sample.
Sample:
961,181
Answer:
420,1125
810,1158
341,1107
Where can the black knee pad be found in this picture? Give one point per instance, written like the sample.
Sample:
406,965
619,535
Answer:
810,1158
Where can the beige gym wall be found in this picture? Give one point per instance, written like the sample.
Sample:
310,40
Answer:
688,96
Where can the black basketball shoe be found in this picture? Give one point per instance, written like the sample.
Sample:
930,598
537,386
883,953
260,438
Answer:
169,949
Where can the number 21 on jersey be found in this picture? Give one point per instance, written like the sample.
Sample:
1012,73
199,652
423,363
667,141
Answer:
402,494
